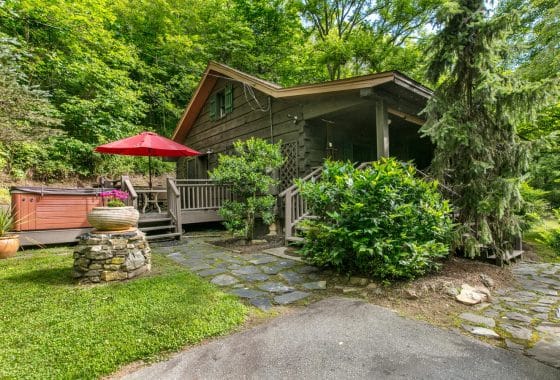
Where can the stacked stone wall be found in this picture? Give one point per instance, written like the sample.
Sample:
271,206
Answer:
104,257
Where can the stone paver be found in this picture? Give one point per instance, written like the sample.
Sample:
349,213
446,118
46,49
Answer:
262,278
527,317
287,298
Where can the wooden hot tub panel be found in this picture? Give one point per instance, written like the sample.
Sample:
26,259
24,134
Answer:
45,212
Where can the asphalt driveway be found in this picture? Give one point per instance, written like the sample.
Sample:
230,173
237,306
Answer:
340,338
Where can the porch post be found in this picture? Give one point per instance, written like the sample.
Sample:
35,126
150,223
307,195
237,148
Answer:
382,128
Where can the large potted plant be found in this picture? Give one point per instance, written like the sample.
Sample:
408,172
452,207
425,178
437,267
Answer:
9,242
115,216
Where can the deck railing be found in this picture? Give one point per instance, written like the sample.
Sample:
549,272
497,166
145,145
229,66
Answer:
126,185
202,194
174,204
295,207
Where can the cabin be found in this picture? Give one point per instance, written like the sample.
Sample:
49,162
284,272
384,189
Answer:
359,119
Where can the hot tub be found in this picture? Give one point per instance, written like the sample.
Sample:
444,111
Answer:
47,208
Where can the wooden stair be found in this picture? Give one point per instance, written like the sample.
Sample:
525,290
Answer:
158,228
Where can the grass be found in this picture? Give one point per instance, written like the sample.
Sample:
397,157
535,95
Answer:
545,252
52,328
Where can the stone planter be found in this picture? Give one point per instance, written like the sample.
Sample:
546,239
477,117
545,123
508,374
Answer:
111,256
9,245
113,218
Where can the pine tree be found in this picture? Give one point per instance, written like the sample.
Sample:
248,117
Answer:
472,120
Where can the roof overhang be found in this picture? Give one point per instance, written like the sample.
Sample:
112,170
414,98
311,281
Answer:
214,71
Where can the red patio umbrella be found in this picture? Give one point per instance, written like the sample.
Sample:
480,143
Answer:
147,144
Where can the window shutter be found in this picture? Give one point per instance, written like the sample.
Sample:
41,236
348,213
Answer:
213,107
229,98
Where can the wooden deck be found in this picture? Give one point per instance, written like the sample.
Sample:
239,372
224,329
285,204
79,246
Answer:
163,210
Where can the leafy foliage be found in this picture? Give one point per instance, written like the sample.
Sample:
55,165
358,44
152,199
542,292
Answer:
381,221
6,221
473,120
551,237
353,37
249,174
25,110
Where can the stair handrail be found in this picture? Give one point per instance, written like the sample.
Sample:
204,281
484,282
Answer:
292,202
316,172
126,185
174,204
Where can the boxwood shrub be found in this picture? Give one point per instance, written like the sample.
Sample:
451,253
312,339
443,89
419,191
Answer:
381,221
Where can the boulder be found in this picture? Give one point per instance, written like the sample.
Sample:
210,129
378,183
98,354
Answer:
473,295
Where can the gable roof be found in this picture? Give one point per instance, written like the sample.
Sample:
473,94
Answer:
214,71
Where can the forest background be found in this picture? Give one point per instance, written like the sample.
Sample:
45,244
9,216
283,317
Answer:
76,74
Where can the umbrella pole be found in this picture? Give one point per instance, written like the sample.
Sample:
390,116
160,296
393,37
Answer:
150,170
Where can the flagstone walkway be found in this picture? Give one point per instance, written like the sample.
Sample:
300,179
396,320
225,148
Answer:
261,278
526,317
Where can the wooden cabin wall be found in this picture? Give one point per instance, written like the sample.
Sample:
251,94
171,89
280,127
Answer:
246,120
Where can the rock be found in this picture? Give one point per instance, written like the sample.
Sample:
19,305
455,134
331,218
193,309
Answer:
263,260
514,316
113,276
557,313
248,293
134,260
547,300
473,296
92,273
478,319
487,281
275,287
224,280
255,277
261,303
410,294
82,262
518,332
546,350
514,346
481,331
258,241
246,270
371,285
347,289
482,306
288,298
316,285
139,271
359,281
211,272
451,291
292,278
550,328
117,260
540,309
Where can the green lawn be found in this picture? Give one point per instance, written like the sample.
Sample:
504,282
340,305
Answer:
52,328
545,252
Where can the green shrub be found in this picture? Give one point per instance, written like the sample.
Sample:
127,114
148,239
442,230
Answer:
551,237
380,221
249,174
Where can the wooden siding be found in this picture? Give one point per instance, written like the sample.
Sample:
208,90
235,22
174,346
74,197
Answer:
245,121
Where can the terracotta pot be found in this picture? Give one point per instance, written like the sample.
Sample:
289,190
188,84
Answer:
9,245
113,218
